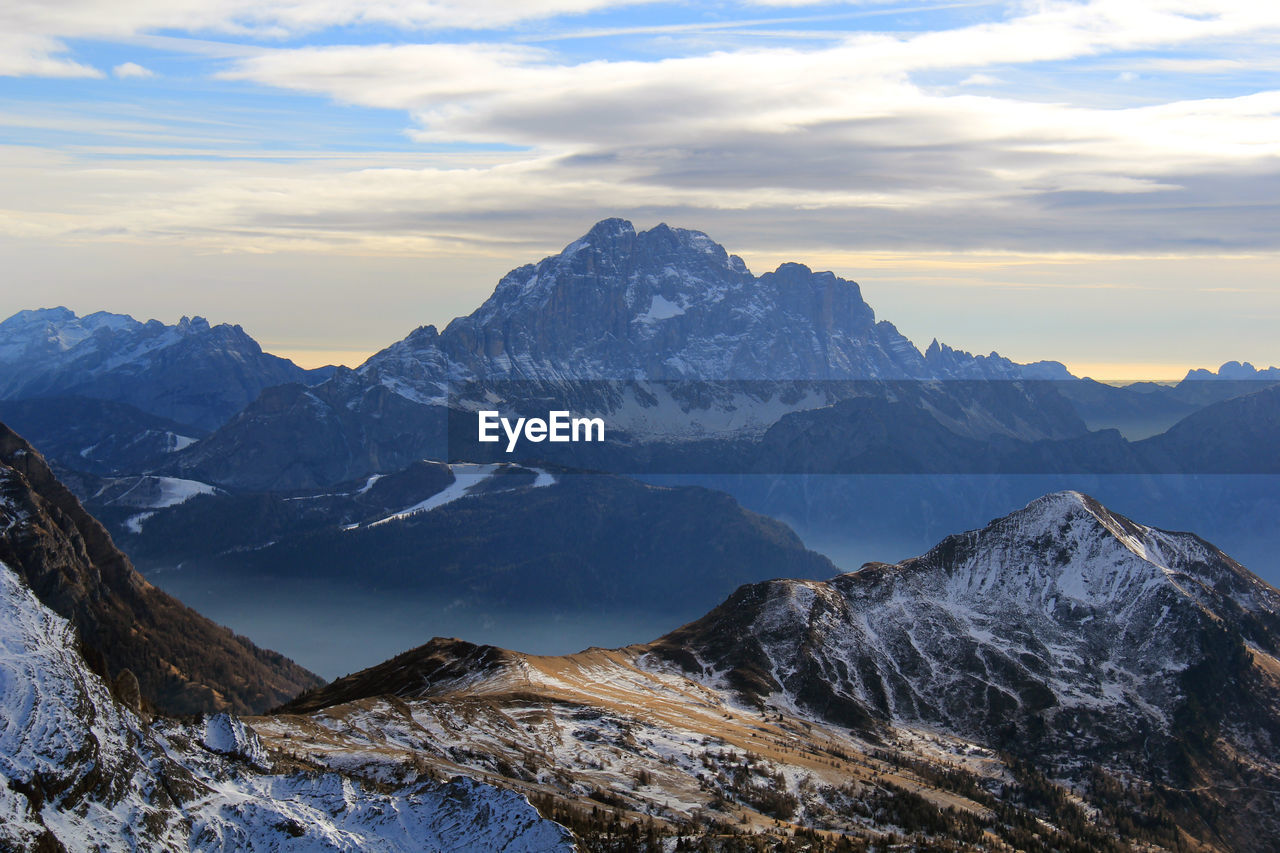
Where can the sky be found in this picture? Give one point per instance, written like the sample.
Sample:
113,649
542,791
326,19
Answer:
1091,182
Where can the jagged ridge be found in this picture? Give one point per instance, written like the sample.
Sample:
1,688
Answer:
191,372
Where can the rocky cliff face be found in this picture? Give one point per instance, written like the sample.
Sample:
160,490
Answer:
192,372
663,304
183,662
667,304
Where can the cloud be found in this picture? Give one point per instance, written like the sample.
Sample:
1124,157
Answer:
29,54
841,125
278,18
33,35
839,145
128,70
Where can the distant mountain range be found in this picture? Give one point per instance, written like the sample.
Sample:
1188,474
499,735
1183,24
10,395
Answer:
1063,668
666,306
663,331
191,373
676,343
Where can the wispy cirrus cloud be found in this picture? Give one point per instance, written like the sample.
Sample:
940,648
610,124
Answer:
33,36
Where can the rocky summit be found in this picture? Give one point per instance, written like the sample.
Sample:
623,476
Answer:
660,305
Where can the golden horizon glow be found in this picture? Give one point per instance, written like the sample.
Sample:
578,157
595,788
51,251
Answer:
309,359
1123,373
1120,372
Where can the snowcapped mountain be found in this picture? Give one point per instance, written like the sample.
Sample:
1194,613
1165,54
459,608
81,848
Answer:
1125,662
192,373
663,331
81,771
664,304
1064,621
183,662
667,305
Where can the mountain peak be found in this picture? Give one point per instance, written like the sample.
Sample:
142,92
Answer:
41,315
150,365
665,304
1066,500
1234,370
608,236
193,324
1061,528
1067,550
1060,611
610,228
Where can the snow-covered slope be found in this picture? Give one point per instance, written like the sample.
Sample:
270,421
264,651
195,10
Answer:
467,480
80,770
1063,630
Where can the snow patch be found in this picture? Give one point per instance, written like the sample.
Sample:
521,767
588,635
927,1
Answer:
660,308
466,477
228,735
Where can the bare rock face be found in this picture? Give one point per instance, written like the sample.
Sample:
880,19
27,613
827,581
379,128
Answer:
127,691
182,662
667,304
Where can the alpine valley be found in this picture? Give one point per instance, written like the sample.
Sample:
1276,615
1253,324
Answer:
1062,678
